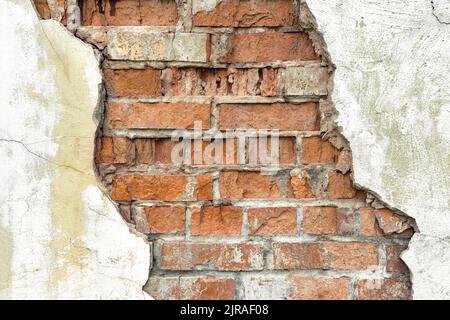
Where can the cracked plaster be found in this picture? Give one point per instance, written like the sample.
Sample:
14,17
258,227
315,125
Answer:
61,237
392,92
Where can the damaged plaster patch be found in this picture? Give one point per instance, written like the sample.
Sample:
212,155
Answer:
60,236
392,92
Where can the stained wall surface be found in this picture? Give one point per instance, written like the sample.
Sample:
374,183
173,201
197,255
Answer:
61,237
392,91
226,231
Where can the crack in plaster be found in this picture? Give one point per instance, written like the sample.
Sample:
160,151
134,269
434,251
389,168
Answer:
436,15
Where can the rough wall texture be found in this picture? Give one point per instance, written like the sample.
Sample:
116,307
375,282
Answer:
197,60
223,229
392,91
60,236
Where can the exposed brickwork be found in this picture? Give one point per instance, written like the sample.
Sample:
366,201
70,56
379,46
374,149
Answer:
222,227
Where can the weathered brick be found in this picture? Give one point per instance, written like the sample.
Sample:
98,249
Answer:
93,35
191,288
133,83
261,152
315,150
281,116
246,47
157,115
370,223
125,212
383,289
318,288
320,220
223,220
325,255
297,255
116,150
140,44
272,221
159,187
394,263
211,256
148,187
164,149
224,82
340,186
246,13
162,220
203,188
390,222
345,221
129,12
239,185
144,149
351,255
306,81
42,8
300,186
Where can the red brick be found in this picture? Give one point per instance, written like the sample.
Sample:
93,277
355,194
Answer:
148,187
157,115
165,219
340,186
345,221
318,288
300,186
246,48
249,13
211,256
370,219
383,289
163,150
116,150
224,82
239,185
315,150
394,263
320,220
390,222
272,221
325,255
191,288
203,188
223,220
260,152
133,83
297,255
144,149
368,223
351,255
159,187
282,116
129,12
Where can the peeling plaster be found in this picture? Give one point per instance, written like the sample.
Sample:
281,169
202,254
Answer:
392,92
61,237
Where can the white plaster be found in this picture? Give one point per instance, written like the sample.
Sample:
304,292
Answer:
204,5
61,237
392,90
441,10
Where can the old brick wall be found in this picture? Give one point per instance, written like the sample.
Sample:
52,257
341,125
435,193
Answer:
227,229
